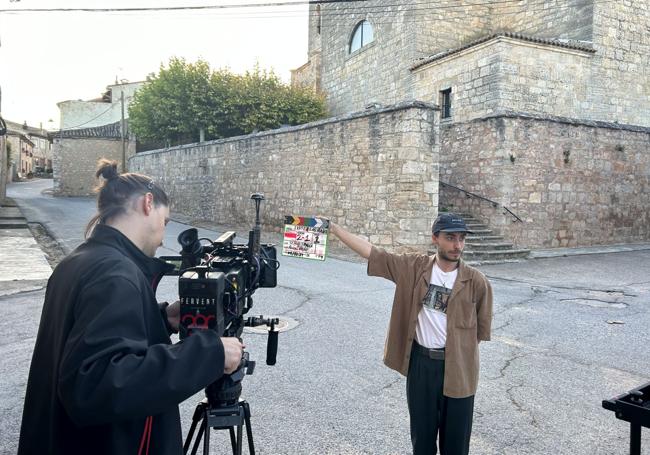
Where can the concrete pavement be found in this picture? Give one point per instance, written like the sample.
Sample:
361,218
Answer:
24,266
555,352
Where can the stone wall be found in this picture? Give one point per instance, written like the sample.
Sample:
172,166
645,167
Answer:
378,72
308,75
374,172
619,90
564,19
506,73
74,162
572,183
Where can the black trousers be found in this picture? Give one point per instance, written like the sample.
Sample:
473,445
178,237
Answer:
433,415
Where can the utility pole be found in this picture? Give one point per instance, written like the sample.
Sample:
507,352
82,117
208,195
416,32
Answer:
123,135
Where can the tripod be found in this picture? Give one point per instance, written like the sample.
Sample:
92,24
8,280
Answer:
222,409
221,418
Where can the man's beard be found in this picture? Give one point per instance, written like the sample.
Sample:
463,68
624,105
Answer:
444,256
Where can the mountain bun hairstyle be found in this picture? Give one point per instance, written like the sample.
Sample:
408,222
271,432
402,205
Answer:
116,191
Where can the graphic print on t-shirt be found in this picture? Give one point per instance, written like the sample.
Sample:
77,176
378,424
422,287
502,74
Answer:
437,298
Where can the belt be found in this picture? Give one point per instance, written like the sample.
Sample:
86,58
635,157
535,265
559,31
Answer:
432,353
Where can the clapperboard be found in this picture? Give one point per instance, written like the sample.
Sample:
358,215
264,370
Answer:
305,237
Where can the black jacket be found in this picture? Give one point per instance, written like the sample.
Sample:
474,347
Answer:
103,360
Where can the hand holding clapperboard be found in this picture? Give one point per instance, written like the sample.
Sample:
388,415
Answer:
305,237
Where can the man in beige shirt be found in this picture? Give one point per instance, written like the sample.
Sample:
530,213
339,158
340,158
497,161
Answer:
441,310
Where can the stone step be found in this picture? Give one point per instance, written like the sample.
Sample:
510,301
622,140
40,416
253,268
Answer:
13,225
482,246
496,254
480,231
481,238
10,212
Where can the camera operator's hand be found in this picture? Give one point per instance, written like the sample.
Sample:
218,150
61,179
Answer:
233,350
174,315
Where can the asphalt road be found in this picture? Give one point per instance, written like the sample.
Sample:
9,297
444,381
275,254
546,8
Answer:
568,332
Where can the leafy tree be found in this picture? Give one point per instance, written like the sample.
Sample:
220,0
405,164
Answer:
185,98
171,106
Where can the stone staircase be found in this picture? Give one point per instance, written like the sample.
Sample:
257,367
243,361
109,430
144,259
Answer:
484,247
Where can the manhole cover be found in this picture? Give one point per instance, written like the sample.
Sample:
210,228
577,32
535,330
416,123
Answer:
284,325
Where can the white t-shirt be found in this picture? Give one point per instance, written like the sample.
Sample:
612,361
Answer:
431,329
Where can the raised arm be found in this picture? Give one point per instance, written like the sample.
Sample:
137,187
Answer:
360,246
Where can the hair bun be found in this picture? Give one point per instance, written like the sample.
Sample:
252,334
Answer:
107,169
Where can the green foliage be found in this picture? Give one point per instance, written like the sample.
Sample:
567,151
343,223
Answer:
184,98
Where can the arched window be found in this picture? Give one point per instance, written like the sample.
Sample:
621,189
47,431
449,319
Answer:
362,35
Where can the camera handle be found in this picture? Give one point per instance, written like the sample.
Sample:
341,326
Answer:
272,343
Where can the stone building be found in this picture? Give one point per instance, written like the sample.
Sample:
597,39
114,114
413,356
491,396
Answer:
36,148
91,130
575,58
4,168
77,151
544,105
20,154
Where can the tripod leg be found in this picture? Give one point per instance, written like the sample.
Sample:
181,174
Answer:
249,430
199,435
206,438
233,441
239,440
199,415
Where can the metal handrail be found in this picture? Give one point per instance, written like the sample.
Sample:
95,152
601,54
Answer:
494,204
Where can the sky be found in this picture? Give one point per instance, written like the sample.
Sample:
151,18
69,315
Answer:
48,57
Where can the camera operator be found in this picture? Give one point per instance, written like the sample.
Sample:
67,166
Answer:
105,378
441,310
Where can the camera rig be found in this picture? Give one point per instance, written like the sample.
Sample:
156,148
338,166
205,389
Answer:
216,282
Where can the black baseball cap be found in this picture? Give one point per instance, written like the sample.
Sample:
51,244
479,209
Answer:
450,222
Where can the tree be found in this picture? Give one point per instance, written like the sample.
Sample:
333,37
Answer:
171,105
185,98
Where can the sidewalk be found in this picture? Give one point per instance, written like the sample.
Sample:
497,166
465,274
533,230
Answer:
578,251
23,265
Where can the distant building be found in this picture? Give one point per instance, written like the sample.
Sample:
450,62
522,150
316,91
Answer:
91,130
3,155
100,111
31,150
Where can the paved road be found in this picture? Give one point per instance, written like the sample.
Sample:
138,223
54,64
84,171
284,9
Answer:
553,357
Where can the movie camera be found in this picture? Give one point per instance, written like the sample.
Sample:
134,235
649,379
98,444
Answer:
216,282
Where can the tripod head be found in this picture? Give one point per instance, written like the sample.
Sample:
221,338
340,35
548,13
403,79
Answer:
227,389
